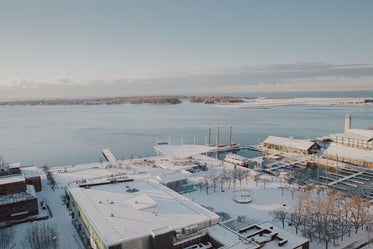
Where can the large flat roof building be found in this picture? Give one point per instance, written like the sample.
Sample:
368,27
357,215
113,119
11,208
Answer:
137,214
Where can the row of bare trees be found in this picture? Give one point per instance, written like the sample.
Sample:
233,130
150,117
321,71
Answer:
326,217
40,235
225,178
6,237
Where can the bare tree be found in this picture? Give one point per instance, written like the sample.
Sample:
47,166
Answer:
215,181
292,190
228,179
6,238
240,175
222,179
206,182
296,218
280,214
282,189
200,184
41,236
235,176
246,175
265,180
359,211
256,179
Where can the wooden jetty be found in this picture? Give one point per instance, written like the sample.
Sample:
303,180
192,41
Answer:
109,156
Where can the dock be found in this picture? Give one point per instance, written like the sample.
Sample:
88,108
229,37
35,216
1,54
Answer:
109,156
286,163
341,180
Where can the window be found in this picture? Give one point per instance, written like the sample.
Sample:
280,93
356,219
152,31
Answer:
116,247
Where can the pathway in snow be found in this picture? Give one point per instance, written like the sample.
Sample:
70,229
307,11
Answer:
68,237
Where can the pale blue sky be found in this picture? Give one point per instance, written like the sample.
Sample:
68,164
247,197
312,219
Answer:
141,44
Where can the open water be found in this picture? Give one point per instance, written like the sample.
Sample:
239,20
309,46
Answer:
64,135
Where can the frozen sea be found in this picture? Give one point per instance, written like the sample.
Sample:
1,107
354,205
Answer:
64,135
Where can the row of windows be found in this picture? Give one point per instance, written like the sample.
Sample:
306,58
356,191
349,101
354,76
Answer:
286,149
99,242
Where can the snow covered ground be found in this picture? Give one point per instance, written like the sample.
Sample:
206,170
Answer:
60,219
267,196
268,102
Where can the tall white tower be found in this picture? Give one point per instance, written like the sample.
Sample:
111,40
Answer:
347,122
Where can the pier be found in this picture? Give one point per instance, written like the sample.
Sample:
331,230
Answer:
109,156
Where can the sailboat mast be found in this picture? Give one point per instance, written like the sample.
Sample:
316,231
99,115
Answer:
230,130
209,135
218,130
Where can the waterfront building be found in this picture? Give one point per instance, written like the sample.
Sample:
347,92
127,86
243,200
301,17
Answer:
353,146
291,145
138,214
361,157
356,138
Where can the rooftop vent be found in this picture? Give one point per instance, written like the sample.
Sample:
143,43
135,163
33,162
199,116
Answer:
132,190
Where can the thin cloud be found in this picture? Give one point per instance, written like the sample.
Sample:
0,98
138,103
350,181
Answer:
280,76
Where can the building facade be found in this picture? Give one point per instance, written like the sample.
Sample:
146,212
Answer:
18,206
354,146
136,214
291,145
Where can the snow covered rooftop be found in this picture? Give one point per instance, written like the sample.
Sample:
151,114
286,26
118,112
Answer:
12,198
349,152
292,240
365,135
229,238
121,215
11,179
30,172
141,202
289,142
182,151
172,177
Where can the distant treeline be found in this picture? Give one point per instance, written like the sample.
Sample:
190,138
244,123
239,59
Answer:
215,99
158,100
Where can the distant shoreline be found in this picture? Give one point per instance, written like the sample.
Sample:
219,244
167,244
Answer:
267,103
154,100
222,101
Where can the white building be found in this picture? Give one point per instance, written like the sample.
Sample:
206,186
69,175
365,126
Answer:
290,145
357,138
353,146
137,214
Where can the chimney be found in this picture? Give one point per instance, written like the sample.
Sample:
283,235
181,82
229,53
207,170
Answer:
347,122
